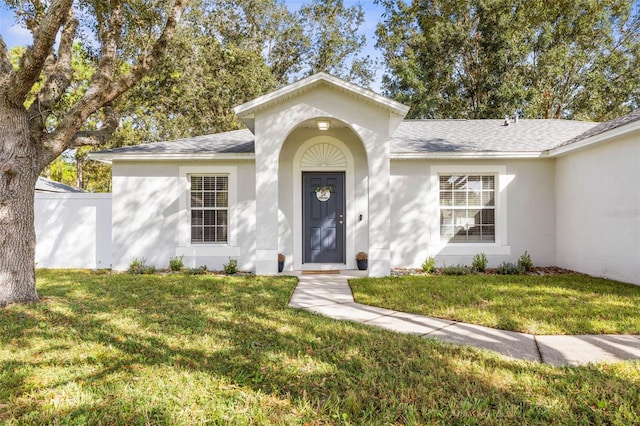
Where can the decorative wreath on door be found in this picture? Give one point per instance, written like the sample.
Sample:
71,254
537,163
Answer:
323,193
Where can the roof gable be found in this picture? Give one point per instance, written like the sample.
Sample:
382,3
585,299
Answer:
246,111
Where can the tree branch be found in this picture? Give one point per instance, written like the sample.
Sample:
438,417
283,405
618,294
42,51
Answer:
55,144
110,34
146,63
102,92
59,74
97,137
6,69
33,59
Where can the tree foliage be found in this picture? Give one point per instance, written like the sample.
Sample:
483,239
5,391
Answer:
226,53
223,54
487,58
209,68
322,36
71,167
334,43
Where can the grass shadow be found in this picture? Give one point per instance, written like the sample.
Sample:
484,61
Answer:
182,350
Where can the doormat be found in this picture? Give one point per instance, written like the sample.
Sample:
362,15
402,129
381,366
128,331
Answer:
330,271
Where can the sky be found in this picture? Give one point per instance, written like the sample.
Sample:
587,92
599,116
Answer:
14,35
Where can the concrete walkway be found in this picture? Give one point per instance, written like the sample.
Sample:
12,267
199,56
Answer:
330,295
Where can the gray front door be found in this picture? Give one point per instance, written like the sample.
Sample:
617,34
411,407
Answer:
323,218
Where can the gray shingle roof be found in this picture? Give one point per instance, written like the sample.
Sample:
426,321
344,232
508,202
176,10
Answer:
414,136
604,127
48,185
417,136
236,141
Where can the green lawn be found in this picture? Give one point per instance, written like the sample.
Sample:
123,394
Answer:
552,304
137,350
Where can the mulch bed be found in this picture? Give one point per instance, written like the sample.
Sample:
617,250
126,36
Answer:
538,270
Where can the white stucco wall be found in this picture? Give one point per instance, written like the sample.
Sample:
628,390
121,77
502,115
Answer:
73,230
530,213
150,219
598,209
148,216
273,125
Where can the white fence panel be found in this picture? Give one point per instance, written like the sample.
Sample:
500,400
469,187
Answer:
73,230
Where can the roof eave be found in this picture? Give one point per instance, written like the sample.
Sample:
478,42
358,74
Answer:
109,158
592,140
467,155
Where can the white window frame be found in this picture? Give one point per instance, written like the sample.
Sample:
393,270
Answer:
185,246
497,247
205,208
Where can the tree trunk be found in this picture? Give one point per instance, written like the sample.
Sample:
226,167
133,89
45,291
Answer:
79,170
18,175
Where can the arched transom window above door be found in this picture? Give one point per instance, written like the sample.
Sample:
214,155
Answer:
322,155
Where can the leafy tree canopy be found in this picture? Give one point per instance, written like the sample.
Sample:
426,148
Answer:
227,53
575,59
224,53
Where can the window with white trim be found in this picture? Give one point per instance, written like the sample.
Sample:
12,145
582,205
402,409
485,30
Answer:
467,208
209,208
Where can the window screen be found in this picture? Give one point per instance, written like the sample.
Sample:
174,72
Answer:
467,208
209,209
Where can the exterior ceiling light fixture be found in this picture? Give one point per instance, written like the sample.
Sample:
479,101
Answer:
323,124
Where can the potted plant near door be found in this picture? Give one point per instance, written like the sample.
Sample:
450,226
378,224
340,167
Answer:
362,259
280,262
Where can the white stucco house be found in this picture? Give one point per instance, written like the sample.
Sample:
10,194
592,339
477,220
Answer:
326,169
